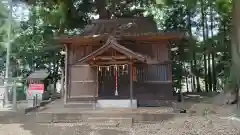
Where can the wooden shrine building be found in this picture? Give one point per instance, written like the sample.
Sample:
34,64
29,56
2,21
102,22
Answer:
122,62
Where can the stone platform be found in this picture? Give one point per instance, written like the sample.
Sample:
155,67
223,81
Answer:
56,112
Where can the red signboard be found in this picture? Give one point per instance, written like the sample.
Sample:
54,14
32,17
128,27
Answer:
36,87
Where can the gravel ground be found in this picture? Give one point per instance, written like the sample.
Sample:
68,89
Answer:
197,124
187,125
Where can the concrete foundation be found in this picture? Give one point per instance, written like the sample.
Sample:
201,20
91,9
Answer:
116,103
107,116
57,112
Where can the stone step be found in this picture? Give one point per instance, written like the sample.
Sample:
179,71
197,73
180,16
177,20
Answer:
82,99
102,116
114,121
80,105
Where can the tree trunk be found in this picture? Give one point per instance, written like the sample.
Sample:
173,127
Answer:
55,75
204,50
193,80
235,47
205,71
214,78
209,71
187,84
192,87
197,78
193,62
101,9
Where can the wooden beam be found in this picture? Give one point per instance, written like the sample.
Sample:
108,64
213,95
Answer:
81,39
110,57
131,83
87,40
110,62
157,37
100,42
97,83
159,82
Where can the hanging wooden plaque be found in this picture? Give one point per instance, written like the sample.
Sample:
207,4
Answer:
134,73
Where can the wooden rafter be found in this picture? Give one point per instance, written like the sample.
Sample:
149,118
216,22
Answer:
112,62
119,57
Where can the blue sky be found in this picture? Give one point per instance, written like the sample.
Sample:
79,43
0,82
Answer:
20,10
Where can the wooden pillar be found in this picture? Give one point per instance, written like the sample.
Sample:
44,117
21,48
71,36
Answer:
66,74
131,83
169,72
97,79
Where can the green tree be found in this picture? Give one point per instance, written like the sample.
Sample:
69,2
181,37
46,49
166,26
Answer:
205,60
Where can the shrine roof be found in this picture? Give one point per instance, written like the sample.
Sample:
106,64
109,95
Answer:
122,27
39,74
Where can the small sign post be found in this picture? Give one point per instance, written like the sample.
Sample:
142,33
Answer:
36,90
36,86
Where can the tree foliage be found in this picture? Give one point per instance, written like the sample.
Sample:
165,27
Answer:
204,61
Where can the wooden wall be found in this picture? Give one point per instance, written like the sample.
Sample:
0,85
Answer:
158,51
153,81
76,52
146,88
83,82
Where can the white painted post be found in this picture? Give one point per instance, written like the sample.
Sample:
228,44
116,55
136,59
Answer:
66,75
2,90
14,98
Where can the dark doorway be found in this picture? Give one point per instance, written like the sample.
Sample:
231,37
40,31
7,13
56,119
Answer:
107,82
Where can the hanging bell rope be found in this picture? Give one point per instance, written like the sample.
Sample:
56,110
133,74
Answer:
116,80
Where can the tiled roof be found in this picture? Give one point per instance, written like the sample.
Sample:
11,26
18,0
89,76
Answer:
40,74
121,26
